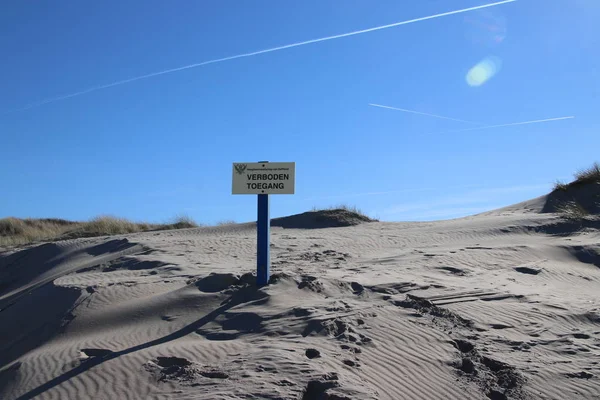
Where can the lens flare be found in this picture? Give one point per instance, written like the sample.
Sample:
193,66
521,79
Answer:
483,71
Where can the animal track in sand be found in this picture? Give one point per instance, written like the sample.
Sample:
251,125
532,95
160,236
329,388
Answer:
463,345
394,288
338,328
324,256
496,379
425,306
317,388
311,283
182,370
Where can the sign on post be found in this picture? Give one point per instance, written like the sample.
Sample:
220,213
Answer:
263,178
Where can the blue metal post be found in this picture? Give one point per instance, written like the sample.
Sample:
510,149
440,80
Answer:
263,228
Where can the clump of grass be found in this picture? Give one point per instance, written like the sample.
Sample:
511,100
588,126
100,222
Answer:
16,226
588,175
347,208
108,225
582,177
12,226
579,198
344,207
572,210
17,231
559,185
180,222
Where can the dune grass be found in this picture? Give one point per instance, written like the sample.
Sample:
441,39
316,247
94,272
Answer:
559,185
181,222
570,203
20,231
572,210
345,207
582,177
17,231
588,175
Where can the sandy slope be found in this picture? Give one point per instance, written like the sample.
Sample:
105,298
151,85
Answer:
501,305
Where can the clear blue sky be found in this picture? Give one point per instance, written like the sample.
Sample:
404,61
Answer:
157,147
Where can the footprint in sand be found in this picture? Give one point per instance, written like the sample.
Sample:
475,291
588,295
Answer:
500,326
351,363
317,388
467,366
528,270
580,375
581,336
454,270
312,353
357,287
285,382
182,369
215,374
463,345
350,348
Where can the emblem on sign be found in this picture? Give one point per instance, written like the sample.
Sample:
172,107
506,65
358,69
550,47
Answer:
240,168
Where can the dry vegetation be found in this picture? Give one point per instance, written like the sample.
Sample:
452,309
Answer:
582,177
575,199
572,210
16,231
344,207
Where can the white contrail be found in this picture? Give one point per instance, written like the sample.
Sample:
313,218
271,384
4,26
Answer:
168,71
422,113
537,121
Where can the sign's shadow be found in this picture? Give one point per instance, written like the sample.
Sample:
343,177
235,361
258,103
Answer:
243,295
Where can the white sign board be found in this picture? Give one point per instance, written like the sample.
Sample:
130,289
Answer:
264,178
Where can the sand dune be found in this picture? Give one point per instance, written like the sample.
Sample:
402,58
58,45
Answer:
502,305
